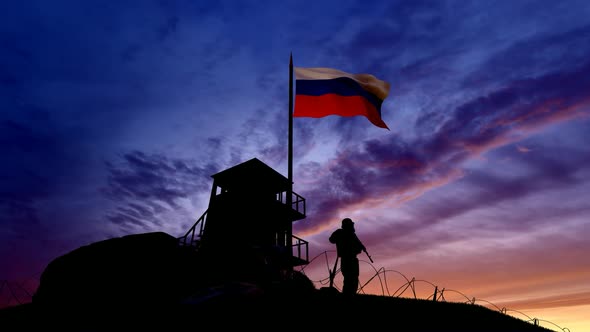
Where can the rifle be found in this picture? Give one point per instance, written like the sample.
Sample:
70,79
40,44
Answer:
365,250
333,272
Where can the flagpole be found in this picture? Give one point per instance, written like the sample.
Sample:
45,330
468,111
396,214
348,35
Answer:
289,239
290,171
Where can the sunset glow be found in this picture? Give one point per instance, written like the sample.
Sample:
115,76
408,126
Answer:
114,115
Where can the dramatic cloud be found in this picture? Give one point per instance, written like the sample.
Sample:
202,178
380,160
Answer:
379,169
114,116
146,187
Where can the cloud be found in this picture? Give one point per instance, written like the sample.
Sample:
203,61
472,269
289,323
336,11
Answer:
26,145
562,300
144,187
388,169
523,149
540,54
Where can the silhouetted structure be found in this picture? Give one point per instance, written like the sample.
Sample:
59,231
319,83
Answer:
148,269
348,246
148,282
243,235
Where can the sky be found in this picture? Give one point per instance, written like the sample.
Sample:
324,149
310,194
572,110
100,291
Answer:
115,114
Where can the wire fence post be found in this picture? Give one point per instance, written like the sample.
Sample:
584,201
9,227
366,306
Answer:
438,296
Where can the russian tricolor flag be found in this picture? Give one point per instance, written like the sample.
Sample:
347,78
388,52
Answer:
321,92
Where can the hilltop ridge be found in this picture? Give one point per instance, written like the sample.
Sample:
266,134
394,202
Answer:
313,311
146,282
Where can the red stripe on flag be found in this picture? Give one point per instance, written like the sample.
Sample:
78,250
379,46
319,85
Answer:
333,104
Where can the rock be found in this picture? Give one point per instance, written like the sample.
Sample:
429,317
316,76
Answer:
145,269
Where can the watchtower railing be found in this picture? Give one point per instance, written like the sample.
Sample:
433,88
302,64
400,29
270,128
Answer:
297,201
301,247
192,238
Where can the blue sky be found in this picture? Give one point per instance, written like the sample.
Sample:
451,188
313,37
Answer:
113,116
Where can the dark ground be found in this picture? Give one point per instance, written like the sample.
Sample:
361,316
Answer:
319,311
146,282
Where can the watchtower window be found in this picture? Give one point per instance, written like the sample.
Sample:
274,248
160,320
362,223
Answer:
219,191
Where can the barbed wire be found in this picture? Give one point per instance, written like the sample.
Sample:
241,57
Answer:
438,294
16,293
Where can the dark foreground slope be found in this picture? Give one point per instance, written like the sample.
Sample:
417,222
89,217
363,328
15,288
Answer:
146,282
315,311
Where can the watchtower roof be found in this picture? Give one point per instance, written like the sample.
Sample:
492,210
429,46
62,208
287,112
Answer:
252,174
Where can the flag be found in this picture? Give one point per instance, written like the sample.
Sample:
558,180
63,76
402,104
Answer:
321,92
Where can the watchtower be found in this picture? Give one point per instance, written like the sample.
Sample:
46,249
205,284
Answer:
245,231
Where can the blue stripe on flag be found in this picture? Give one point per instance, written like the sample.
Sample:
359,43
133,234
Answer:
342,86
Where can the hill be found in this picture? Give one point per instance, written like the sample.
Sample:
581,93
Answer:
146,282
315,311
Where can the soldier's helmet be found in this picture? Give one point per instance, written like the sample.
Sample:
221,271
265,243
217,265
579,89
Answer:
347,223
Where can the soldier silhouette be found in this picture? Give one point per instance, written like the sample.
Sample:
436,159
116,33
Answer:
348,246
